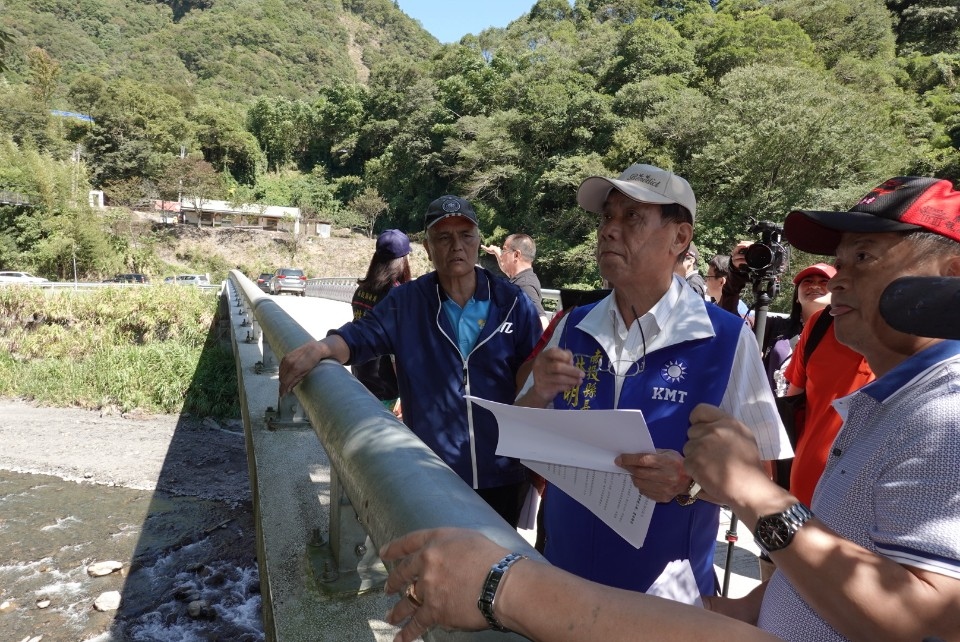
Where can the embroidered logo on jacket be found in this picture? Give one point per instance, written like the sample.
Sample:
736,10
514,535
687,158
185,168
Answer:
669,394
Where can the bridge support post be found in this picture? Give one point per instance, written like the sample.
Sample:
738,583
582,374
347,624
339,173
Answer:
347,562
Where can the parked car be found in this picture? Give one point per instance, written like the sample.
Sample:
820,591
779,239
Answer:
192,279
288,280
263,281
131,278
20,277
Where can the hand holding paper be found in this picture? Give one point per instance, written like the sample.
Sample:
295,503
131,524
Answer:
577,456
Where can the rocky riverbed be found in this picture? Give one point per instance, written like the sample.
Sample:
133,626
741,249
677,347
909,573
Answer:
165,499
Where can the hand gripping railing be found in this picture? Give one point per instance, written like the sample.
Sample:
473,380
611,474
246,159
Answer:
395,483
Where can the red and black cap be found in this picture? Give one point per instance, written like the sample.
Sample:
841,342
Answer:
901,204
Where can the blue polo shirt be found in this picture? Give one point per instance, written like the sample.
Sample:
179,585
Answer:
468,321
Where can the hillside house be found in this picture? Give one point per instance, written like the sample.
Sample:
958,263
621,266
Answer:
223,214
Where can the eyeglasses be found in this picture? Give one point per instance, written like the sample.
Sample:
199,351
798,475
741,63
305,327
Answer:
595,363
625,368
713,276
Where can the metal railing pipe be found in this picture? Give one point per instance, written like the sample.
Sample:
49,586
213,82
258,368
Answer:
395,482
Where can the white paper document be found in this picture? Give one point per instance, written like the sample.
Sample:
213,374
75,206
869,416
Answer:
677,583
575,451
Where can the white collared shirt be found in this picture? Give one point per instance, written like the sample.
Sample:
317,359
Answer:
681,315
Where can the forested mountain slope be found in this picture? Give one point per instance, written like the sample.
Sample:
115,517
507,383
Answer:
764,105
227,49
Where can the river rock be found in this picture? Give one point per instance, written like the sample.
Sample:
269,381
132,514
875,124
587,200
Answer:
42,604
98,569
109,601
182,591
201,609
6,605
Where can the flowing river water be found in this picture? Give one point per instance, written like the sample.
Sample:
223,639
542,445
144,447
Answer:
186,540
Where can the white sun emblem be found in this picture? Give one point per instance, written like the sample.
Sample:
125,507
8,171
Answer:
673,371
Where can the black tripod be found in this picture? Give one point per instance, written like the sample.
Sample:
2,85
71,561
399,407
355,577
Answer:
764,289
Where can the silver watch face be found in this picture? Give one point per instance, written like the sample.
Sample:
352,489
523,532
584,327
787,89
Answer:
774,532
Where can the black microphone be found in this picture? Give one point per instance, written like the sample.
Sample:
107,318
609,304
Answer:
926,306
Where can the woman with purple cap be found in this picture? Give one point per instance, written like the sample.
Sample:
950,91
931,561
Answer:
389,268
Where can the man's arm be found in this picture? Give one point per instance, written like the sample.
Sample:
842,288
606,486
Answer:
552,372
447,568
859,593
297,363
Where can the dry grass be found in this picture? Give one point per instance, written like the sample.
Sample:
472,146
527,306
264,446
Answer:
185,248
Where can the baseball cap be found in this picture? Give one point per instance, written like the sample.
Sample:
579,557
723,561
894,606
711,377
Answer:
900,204
448,206
642,183
393,244
817,268
693,251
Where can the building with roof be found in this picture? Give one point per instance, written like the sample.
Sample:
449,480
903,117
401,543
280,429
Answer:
223,214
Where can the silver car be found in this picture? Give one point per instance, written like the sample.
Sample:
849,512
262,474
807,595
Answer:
192,279
288,280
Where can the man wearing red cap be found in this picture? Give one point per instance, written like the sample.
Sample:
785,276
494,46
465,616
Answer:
877,554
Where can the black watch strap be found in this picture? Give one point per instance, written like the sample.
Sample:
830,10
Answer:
488,594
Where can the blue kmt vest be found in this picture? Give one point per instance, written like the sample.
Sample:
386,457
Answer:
675,380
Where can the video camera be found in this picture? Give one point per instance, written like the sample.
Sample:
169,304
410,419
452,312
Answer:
767,257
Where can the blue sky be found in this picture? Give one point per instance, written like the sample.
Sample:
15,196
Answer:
450,20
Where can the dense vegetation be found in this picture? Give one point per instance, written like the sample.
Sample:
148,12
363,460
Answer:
155,350
350,111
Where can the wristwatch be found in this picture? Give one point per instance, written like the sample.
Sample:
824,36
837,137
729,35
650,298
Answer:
488,593
775,532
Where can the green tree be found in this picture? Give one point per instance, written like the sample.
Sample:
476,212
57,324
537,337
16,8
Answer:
862,28
27,121
226,144
85,91
650,48
5,40
339,116
44,71
785,137
369,206
282,129
724,42
928,27
138,129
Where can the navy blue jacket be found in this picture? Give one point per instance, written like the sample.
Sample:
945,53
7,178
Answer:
433,376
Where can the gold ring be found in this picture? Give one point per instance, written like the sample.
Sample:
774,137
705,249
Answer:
411,594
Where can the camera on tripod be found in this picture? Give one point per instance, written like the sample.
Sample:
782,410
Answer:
767,257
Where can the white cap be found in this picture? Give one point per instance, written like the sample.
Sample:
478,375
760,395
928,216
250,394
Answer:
642,183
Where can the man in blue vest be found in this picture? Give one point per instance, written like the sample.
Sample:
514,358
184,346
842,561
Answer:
653,345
